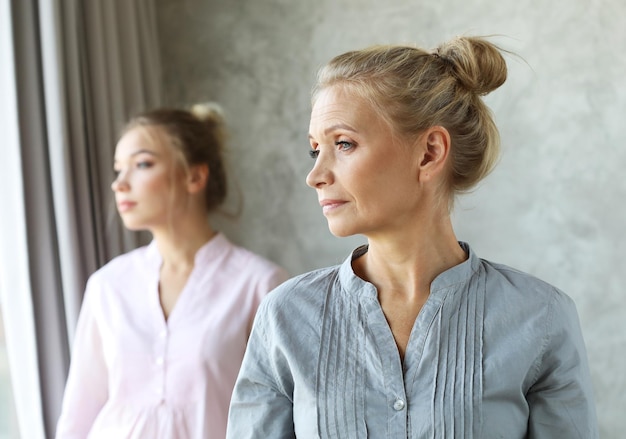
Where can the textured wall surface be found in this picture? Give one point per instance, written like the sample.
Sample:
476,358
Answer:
554,207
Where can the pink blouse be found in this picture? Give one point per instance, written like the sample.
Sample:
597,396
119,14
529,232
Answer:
134,374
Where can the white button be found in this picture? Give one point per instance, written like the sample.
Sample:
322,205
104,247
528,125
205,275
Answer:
398,405
159,361
158,390
163,334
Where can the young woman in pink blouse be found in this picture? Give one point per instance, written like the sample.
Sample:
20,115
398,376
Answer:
163,328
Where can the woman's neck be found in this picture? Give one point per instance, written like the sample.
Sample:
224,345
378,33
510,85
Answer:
407,262
178,245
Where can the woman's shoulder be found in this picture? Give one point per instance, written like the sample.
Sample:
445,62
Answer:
295,309
311,280
523,288
302,291
514,276
127,264
242,256
239,261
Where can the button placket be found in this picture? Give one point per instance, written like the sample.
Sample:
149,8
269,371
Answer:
159,362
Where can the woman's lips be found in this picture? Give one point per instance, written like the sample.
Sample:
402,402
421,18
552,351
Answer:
124,206
329,206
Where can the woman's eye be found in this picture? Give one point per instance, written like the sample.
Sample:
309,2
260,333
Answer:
344,145
313,153
144,165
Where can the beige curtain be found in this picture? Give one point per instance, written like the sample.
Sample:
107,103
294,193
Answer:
78,71
105,68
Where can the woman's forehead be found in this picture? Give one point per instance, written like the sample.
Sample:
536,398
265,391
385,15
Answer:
150,138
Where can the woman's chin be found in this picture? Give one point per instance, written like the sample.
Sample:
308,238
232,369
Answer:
134,226
341,231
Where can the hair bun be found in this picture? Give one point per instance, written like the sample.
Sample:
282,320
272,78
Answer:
477,64
208,111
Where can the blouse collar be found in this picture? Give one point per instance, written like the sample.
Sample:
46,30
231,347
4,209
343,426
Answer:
458,274
211,250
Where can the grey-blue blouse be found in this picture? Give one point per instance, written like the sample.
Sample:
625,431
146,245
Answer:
494,353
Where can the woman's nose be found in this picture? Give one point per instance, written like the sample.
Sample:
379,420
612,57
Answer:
119,184
321,174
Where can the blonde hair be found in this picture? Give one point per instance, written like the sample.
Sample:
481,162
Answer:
414,89
197,136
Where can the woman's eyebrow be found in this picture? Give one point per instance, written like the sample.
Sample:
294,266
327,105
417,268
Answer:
339,126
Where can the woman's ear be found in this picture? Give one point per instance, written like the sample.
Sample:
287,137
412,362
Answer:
197,178
435,147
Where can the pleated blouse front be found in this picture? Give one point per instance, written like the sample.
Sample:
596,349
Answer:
322,361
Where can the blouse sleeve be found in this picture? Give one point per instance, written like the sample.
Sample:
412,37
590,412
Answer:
86,387
261,405
272,278
561,399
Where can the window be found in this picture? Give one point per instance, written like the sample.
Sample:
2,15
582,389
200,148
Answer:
8,420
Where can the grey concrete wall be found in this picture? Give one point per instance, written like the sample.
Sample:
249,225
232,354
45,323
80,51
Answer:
555,205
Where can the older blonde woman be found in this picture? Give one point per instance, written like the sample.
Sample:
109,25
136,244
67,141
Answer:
413,336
